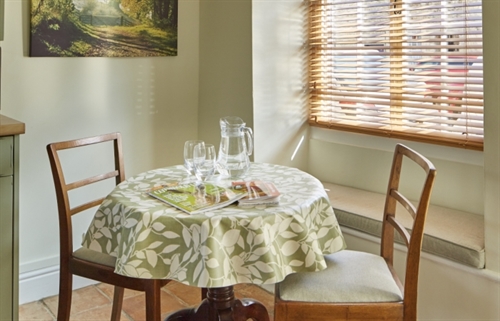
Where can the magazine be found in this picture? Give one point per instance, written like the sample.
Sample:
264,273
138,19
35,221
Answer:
258,193
193,199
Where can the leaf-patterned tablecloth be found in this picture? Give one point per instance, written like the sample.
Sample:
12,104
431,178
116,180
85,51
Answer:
222,247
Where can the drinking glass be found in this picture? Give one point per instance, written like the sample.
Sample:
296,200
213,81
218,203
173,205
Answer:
188,154
204,161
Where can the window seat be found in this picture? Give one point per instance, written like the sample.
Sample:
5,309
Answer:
449,233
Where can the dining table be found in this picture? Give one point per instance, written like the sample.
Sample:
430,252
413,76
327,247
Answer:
219,248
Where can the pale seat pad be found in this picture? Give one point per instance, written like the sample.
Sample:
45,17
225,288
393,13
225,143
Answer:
350,276
448,233
94,256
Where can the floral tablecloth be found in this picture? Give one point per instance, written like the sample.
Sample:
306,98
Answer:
222,247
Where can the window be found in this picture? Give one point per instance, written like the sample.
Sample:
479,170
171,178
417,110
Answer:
409,69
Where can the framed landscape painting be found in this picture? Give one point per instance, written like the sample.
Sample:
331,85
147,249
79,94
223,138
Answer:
103,28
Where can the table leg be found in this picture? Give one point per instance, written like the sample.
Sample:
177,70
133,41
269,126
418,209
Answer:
221,305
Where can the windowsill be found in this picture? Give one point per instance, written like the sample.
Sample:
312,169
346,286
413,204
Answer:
387,144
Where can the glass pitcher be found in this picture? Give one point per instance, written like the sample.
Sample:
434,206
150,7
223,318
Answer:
235,146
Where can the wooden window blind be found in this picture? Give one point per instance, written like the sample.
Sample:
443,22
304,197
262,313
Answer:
409,69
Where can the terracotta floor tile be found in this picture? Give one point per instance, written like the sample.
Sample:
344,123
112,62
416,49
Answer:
191,295
94,302
35,311
135,306
102,313
108,289
82,299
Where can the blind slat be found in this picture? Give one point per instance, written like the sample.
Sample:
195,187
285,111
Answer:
413,70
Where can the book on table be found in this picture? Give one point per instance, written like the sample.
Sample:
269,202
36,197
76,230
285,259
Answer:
193,199
258,193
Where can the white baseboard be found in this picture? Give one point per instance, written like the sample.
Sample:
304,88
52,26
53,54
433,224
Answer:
42,283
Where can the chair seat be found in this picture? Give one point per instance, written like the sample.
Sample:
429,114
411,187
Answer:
94,256
350,276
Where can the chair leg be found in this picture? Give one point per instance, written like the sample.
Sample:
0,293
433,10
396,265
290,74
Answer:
117,303
153,301
65,293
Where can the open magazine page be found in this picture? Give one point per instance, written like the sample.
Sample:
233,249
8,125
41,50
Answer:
194,199
258,193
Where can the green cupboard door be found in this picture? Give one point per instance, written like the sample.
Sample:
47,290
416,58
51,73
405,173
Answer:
6,248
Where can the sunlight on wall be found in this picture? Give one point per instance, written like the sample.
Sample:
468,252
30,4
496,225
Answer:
145,101
297,148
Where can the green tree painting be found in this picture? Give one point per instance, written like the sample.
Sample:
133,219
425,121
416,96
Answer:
103,28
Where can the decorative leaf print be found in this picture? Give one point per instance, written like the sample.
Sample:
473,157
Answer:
297,228
170,248
296,263
212,263
289,248
255,224
258,239
130,223
145,218
323,231
264,267
310,258
197,270
254,271
95,246
187,236
205,250
157,226
154,245
241,242
130,271
151,257
204,279
261,250
106,232
230,238
288,235
100,223
170,235
144,234
108,246
187,255
285,225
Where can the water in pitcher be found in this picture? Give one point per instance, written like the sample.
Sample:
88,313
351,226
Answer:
236,146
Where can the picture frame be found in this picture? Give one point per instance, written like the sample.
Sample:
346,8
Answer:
103,28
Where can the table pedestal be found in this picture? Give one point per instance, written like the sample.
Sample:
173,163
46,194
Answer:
221,305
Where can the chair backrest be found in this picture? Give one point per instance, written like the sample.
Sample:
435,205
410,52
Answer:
65,208
391,223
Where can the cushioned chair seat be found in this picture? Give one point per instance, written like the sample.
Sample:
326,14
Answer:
350,276
96,257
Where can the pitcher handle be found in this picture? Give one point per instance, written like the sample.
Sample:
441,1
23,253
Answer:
249,139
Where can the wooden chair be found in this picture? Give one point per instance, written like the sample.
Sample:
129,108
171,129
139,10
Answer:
84,262
362,286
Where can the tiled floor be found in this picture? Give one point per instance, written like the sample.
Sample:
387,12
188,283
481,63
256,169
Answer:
93,303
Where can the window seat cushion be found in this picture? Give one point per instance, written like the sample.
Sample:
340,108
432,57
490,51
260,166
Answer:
448,233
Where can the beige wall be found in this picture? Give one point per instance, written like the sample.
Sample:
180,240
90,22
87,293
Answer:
153,102
225,65
281,132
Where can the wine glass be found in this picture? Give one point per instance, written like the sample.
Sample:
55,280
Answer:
188,154
204,161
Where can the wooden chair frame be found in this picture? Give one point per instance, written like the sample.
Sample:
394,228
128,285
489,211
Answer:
405,310
71,265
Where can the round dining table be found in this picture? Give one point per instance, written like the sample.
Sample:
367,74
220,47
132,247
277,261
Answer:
218,248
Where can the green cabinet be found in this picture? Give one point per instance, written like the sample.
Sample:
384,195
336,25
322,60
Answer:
9,161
